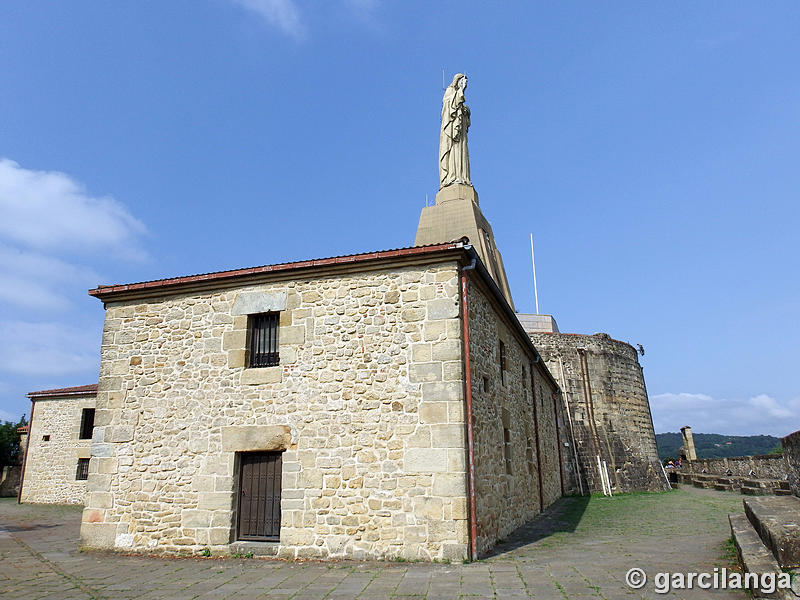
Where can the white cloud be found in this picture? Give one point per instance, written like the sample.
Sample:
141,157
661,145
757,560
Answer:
36,281
282,14
45,349
756,415
48,210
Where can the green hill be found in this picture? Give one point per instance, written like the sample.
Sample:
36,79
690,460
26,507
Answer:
713,445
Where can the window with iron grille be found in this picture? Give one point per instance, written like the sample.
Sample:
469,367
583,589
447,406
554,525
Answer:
264,340
83,469
87,423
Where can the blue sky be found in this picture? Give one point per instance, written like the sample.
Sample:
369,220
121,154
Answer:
652,148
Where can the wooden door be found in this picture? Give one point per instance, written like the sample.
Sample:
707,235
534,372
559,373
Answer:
260,496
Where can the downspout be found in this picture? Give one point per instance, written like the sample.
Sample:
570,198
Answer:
538,433
473,513
25,457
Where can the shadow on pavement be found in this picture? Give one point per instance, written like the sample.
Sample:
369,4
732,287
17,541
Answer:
562,516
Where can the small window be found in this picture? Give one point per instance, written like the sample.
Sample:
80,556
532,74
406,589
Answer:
87,423
485,384
264,340
45,438
82,471
502,360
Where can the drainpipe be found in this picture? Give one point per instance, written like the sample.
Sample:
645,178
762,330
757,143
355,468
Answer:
473,513
25,457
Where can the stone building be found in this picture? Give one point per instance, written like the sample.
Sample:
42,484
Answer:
376,405
56,460
603,386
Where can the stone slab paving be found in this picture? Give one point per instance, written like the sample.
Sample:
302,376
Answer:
579,549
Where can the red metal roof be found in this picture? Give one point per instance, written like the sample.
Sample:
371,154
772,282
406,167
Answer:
79,390
105,290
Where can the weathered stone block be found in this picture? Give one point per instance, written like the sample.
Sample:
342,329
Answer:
218,536
251,303
195,518
237,358
296,334
262,376
425,460
421,372
449,484
101,500
433,412
447,391
243,438
447,436
98,535
214,501
446,350
121,433
234,340
443,308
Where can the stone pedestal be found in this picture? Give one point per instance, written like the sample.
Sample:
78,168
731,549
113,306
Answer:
457,214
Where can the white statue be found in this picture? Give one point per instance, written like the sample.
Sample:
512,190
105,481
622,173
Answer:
453,153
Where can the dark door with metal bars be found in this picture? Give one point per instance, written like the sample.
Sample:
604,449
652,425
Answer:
260,496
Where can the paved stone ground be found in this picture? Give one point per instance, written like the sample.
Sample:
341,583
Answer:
579,549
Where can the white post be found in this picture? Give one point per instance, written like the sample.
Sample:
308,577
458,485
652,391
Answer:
535,291
608,479
600,473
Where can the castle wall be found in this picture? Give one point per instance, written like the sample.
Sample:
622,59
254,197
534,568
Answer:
51,466
791,453
366,407
507,465
765,466
604,388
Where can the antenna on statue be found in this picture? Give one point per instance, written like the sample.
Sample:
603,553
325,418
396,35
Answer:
443,86
426,199
535,290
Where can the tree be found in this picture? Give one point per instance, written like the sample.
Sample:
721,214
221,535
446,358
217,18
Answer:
10,453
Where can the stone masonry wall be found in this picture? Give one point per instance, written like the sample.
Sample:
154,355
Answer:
503,405
616,424
764,466
791,452
51,465
366,405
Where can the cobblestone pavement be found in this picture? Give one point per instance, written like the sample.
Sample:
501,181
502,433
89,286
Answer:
579,549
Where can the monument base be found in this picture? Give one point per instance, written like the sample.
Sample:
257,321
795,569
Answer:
457,214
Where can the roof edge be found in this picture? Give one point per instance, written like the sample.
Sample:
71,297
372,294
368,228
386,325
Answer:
79,390
111,292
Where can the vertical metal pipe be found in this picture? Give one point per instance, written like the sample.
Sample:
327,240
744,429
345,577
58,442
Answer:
473,513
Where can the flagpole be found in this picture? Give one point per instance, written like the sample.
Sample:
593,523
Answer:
535,290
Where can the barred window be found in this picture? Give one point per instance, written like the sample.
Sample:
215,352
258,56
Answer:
82,471
264,340
87,423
